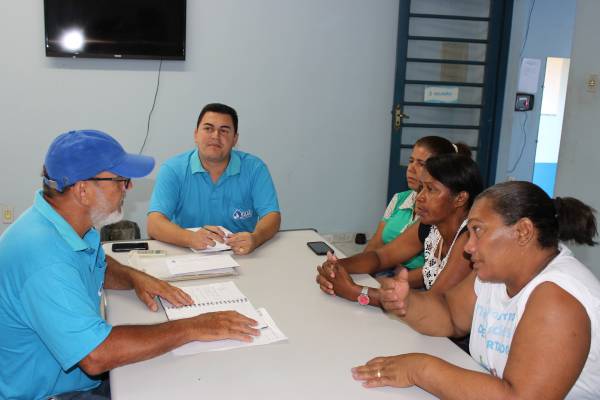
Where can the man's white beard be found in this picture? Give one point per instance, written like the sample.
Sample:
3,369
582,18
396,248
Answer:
100,217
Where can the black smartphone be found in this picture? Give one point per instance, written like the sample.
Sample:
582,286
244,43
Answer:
319,248
122,247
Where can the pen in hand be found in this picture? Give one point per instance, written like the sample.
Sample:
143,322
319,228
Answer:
211,231
213,235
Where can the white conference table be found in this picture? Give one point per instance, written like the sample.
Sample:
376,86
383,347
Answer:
327,336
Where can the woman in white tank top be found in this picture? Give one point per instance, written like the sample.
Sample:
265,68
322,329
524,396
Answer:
532,309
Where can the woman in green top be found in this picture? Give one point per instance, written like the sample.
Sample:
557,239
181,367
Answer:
400,212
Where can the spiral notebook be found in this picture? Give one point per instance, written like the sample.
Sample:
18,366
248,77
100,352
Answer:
222,296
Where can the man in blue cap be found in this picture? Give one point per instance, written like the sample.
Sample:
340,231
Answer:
53,341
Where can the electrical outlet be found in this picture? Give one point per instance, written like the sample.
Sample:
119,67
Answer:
328,237
343,237
592,83
8,214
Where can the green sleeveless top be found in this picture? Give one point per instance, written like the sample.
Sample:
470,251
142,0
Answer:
397,217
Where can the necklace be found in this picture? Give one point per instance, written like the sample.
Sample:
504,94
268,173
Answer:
434,265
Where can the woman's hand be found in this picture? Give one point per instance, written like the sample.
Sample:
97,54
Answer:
397,371
333,279
326,274
395,293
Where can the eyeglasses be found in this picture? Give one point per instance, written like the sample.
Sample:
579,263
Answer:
126,181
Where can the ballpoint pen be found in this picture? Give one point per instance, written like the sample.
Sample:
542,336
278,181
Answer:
221,233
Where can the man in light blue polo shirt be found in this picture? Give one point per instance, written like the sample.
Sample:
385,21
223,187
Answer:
214,186
53,341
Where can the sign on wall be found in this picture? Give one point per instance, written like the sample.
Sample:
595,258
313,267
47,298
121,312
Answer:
441,94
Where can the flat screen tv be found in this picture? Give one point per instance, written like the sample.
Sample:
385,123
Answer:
153,29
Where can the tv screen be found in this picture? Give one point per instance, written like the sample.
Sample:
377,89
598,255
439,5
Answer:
153,29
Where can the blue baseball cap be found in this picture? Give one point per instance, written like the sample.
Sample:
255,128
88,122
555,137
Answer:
78,155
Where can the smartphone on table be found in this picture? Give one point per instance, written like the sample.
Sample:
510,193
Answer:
123,247
319,248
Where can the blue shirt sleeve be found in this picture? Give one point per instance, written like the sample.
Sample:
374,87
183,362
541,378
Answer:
165,195
264,195
59,308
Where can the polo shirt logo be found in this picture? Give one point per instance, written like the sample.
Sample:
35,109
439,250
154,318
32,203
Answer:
242,214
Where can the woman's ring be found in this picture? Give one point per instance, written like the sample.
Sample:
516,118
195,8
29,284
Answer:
378,373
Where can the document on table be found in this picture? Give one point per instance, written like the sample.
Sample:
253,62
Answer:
158,266
193,263
221,296
218,246
270,334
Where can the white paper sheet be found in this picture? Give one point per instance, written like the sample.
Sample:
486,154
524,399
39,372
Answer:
194,263
529,75
268,335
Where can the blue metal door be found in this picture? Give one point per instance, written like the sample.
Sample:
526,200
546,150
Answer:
450,74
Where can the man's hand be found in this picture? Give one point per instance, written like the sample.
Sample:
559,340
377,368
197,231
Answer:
242,242
147,288
223,325
395,293
207,236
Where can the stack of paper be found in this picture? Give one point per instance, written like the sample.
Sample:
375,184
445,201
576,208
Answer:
183,267
192,264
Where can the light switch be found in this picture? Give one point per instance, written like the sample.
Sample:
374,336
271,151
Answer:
592,83
7,215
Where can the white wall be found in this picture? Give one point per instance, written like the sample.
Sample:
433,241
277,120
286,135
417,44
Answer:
553,110
312,82
550,35
579,158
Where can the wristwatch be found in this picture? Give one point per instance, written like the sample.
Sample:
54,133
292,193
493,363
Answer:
363,297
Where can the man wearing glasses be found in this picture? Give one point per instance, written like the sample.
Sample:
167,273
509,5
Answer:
53,341
214,185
